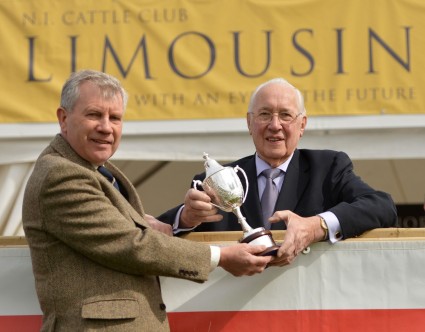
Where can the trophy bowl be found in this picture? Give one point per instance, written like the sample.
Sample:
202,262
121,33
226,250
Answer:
223,186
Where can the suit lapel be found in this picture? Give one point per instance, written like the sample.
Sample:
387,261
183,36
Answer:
251,209
294,184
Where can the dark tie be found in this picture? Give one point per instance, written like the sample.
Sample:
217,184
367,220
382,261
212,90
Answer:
107,174
268,200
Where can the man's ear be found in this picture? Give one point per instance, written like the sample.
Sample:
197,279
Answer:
303,125
62,116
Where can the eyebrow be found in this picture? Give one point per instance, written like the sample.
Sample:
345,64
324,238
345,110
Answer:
266,108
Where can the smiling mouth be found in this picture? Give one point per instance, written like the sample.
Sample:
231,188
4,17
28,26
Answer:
99,141
272,139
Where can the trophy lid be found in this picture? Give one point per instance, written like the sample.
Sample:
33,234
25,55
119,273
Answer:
211,166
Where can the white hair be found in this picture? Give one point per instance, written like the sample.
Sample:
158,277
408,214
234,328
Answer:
109,86
283,82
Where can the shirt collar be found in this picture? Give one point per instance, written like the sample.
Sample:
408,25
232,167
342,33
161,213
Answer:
261,165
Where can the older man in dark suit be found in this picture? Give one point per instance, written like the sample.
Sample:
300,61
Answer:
96,255
320,197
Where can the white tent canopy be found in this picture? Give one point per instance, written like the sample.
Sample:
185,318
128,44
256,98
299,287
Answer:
362,137
161,157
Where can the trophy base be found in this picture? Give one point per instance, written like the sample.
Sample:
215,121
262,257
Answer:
261,236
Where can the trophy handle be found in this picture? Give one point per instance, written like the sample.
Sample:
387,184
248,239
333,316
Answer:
195,182
246,181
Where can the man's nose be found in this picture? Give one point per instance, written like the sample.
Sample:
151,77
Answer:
275,121
105,124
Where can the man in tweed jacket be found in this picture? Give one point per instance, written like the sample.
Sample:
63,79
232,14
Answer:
96,255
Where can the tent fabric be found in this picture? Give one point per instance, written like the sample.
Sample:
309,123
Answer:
362,137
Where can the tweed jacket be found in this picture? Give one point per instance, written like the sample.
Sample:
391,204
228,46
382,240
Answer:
96,261
315,181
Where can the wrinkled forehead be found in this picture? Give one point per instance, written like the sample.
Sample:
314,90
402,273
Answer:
276,96
92,96
104,91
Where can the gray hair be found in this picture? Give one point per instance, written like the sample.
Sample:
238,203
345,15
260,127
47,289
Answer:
281,81
108,85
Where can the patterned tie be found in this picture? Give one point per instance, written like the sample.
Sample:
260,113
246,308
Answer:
268,200
107,174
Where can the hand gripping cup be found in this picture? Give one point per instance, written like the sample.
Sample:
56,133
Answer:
225,189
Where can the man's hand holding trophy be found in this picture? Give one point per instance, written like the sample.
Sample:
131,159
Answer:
225,189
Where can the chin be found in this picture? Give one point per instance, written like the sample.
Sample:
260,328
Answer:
100,160
276,154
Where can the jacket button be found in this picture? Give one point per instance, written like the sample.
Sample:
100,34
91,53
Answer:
162,306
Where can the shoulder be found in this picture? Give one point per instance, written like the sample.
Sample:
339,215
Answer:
54,172
323,160
56,164
322,155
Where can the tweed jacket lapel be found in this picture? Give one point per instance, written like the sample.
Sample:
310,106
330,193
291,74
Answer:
61,146
133,198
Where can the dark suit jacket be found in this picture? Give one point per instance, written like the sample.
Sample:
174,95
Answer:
95,258
316,181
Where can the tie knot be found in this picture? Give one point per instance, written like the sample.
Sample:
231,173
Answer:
271,173
106,173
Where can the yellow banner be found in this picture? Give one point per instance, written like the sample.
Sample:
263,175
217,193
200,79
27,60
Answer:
192,59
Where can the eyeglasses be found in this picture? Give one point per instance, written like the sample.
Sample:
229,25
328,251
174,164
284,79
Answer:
265,117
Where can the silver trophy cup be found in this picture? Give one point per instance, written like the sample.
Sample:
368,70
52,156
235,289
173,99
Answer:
225,189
